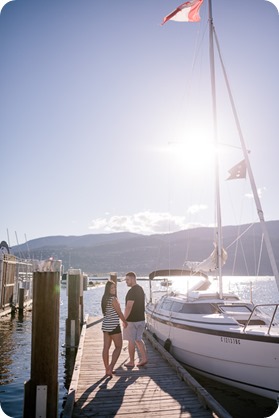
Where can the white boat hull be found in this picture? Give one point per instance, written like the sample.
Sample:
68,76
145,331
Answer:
249,361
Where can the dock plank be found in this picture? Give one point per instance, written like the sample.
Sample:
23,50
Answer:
156,390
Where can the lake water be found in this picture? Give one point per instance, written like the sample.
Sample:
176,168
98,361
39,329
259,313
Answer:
15,351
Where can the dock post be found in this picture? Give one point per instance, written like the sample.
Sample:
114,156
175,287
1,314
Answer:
73,321
83,288
85,281
41,391
21,291
113,277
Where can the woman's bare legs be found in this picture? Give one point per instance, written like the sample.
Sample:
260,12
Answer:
106,347
117,339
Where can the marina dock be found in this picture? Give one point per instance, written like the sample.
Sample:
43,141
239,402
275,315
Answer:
162,388
16,276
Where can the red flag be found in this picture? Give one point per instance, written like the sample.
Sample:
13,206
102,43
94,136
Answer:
238,171
186,12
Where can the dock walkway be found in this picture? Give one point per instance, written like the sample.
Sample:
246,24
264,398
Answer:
162,388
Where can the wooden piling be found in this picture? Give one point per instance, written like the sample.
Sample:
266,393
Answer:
41,391
74,320
21,299
113,277
84,286
85,281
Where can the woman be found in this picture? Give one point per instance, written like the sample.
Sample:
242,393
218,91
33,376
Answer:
111,326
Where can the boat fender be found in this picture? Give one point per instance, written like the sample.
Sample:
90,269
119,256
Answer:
167,345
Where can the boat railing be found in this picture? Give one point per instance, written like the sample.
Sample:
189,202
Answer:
157,294
272,314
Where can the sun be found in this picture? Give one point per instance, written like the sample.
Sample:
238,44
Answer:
195,153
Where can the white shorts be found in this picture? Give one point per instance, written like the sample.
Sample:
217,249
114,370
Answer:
133,331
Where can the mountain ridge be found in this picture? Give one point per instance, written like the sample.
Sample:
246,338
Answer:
124,251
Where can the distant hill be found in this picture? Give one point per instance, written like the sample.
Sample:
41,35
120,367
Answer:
121,252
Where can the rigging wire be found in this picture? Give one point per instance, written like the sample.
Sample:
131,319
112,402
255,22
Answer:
238,238
248,166
260,256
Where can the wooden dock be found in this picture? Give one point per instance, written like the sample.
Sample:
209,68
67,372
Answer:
16,277
162,388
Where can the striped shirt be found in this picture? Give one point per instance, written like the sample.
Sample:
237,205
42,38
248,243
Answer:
111,318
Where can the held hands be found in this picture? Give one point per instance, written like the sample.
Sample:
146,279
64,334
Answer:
125,323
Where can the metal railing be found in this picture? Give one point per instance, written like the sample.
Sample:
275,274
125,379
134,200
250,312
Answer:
271,315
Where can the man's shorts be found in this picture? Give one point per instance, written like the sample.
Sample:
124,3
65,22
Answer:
133,331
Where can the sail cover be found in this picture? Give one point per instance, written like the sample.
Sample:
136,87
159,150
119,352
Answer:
209,264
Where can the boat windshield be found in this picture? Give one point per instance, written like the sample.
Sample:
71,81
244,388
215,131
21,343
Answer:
234,309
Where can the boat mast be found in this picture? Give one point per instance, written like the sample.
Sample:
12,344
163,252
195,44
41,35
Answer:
251,176
219,237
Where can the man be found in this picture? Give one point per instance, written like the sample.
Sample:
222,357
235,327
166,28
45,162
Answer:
134,314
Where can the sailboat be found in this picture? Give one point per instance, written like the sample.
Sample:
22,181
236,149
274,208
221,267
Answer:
211,331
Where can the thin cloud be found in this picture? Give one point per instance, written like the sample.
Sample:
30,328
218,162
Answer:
142,223
196,208
260,191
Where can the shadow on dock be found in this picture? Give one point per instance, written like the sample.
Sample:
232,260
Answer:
159,389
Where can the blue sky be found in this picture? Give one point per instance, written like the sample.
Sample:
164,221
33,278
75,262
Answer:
105,116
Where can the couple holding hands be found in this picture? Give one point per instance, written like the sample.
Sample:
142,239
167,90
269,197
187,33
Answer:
133,323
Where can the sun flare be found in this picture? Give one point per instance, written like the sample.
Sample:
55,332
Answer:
196,154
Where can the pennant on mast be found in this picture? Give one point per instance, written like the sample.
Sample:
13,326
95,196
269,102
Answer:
238,171
186,12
